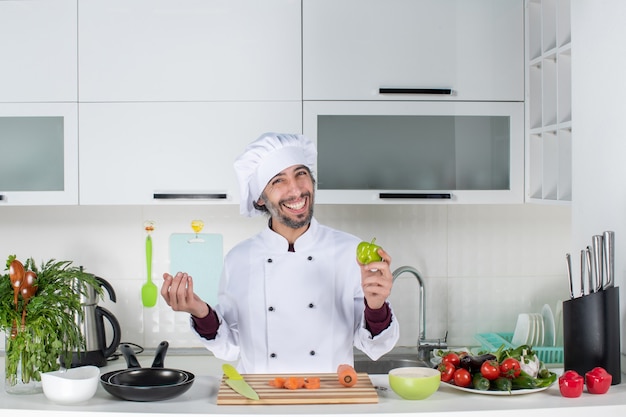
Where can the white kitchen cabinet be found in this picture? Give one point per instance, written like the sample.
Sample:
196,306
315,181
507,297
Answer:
189,50
400,152
39,148
38,47
548,102
353,48
168,153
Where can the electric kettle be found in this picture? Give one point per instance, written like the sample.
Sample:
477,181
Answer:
92,325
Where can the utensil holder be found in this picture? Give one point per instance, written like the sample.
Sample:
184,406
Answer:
591,333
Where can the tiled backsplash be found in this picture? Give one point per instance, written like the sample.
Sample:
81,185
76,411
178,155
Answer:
482,264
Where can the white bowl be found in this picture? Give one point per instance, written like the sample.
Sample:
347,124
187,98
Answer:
69,386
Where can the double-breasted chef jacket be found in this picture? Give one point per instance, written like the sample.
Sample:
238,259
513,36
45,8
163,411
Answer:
294,312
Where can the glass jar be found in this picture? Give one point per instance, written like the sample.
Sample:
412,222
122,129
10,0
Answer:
21,374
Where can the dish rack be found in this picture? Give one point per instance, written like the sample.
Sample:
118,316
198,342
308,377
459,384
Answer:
492,341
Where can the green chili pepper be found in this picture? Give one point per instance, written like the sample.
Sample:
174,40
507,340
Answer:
502,384
524,382
367,252
480,382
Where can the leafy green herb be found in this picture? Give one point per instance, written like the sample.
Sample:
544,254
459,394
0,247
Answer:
51,332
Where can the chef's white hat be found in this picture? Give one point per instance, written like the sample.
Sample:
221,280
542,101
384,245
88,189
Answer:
266,157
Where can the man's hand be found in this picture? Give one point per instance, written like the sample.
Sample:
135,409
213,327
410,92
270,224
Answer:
376,280
178,293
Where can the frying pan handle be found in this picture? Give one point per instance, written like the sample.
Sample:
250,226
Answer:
129,355
159,356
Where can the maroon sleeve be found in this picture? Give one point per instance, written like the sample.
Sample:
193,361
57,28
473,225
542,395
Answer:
377,320
207,326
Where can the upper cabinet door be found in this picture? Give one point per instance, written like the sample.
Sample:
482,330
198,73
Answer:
38,51
354,48
189,50
168,153
39,148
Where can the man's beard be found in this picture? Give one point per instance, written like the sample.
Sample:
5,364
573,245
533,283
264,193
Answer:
294,223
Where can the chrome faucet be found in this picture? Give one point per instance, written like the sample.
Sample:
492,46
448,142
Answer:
424,346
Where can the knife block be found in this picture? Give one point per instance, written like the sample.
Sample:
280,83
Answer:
591,333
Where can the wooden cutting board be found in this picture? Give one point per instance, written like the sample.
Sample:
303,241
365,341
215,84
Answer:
330,391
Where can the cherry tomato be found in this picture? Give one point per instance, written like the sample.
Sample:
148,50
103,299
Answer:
571,384
452,358
490,370
510,368
462,377
447,371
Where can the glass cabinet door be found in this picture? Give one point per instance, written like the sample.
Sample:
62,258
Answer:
39,147
406,152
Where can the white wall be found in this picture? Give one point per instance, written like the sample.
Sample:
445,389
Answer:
598,114
482,264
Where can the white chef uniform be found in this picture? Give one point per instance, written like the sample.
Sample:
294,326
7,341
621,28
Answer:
291,312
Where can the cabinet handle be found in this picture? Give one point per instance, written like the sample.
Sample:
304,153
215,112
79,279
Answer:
442,91
190,196
441,196
1,197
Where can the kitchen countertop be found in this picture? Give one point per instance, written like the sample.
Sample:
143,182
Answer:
200,399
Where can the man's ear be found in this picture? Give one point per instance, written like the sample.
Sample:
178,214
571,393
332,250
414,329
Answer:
260,202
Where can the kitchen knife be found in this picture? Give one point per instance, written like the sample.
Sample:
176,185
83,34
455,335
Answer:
237,383
609,258
590,288
584,272
597,260
568,263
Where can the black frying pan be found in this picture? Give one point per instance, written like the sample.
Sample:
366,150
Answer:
146,384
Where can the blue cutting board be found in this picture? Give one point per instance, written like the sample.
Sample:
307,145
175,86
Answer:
201,256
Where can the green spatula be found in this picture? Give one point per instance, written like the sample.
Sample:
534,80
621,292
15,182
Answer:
149,290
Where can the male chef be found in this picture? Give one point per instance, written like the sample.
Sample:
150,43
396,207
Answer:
293,298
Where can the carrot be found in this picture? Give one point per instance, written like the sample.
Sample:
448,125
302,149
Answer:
347,375
294,383
277,382
312,383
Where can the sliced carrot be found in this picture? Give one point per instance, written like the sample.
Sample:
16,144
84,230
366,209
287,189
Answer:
347,375
294,383
277,382
312,383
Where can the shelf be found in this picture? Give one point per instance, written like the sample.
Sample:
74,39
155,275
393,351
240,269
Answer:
564,88
549,101
563,22
548,24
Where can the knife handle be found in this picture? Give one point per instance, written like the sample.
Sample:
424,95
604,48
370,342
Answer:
609,258
598,260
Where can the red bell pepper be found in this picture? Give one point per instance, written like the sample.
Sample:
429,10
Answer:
598,380
571,384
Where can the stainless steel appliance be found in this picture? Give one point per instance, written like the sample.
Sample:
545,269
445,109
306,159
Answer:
92,325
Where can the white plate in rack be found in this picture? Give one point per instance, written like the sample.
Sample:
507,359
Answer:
523,330
549,326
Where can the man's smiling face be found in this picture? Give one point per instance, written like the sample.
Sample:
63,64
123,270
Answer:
289,196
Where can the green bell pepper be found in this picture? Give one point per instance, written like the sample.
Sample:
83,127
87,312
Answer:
367,252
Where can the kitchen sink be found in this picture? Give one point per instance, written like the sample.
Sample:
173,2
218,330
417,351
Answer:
387,362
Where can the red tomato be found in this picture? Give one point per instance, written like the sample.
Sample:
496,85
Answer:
462,377
598,380
510,368
447,371
490,370
452,358
571,384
